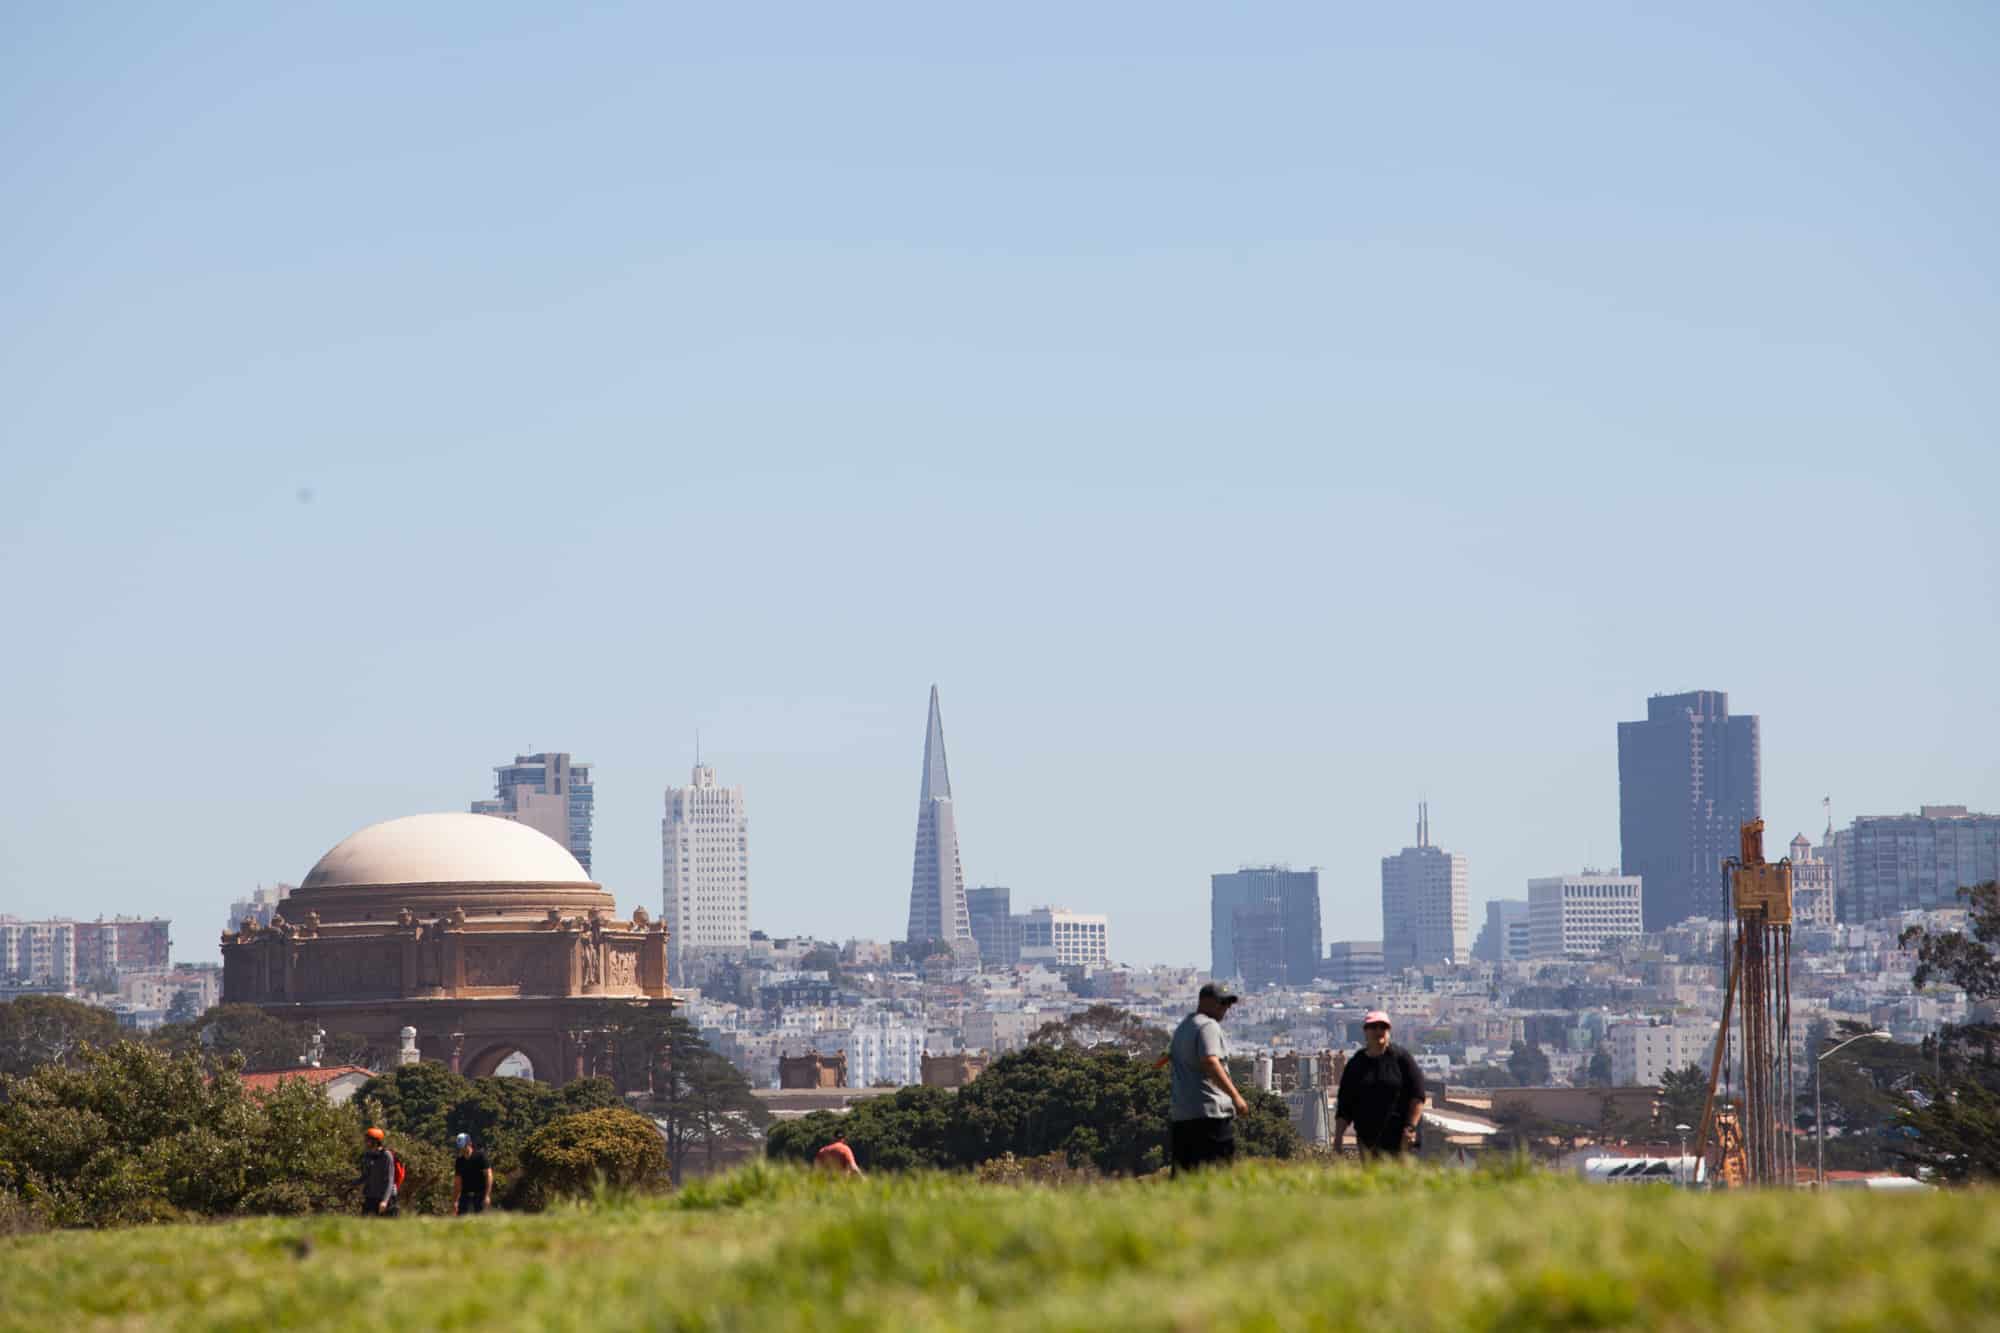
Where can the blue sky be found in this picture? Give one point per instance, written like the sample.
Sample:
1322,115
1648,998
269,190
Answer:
1254,422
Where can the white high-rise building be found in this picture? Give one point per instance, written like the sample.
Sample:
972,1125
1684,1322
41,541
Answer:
1574,915
1426,904
1642,1053
880,1050
705,851
1060,936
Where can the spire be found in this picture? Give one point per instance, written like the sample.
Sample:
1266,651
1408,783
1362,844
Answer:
937,777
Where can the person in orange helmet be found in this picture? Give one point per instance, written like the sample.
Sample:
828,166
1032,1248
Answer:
378,1176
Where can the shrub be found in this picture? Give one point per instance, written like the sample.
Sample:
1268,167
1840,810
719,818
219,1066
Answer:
574,1154
134,1135
1048,1169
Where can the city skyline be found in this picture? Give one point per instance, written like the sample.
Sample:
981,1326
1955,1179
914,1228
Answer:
1257,427
1355,915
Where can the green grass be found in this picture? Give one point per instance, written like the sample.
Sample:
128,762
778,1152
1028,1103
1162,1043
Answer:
1264,1247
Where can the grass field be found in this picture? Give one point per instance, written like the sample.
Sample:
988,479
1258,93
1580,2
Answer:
1261,1248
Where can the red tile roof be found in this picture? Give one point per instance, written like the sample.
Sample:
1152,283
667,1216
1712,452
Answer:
264,1079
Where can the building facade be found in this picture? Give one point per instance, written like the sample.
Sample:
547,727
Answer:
705,859
1888,864
1060,937
488,941
937,880
259,906
1572,916
1264,926
1812,886
1506,923
885,1052
995,929
546,792
1354,963
38,953
1689,777
1426,904
1642,1053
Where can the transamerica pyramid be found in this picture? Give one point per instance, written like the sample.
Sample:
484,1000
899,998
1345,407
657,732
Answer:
937,883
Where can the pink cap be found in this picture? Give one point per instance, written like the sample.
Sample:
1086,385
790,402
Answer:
1376,1016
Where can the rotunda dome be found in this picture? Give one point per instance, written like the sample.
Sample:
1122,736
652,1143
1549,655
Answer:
447,848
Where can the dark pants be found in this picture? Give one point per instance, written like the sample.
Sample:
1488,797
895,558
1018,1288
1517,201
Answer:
471,1203
369,1207
1388,1143
1204,1142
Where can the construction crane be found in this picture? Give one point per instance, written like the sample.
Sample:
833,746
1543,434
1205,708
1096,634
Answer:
1753,1133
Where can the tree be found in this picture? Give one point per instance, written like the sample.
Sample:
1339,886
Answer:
904,1130
825,959
417,1100
1970,962
1683,1094
37,1030
1103,1026
700,1101
1529,1065
1952,1124
181,1008
260,1039
1598,1074
1094,1107
1956,1135
1482,1076
572,1154
128,1133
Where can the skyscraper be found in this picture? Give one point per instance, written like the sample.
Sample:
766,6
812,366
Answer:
705,856
1689,777
545,792
1426,904
1506,922
1264,926
937,882
1574,915
1898,863
995,928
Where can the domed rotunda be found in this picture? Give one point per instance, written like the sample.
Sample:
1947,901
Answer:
484,935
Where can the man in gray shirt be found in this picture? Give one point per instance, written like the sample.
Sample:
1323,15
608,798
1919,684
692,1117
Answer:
1205,1102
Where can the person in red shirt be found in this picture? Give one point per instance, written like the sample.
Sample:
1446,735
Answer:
837,1156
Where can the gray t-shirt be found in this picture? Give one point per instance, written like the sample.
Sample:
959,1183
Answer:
1195,1097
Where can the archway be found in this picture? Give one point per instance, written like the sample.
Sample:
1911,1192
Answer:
511,1059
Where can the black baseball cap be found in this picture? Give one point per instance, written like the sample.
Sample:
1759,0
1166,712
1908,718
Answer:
1218,992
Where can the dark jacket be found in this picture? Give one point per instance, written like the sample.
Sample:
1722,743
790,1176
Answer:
378,1174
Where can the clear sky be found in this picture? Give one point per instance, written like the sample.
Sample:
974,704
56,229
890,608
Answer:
1253,421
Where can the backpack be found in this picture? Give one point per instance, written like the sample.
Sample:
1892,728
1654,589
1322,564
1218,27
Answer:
396,1180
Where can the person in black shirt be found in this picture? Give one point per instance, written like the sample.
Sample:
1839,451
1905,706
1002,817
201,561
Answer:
475,1177
1381,1094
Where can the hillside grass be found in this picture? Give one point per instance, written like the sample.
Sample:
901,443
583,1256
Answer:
1259,1248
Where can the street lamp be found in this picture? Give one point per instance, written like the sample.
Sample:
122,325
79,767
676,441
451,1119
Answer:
1680,1164
1819,1120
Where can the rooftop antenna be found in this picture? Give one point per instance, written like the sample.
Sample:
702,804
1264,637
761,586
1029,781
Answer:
1827,803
